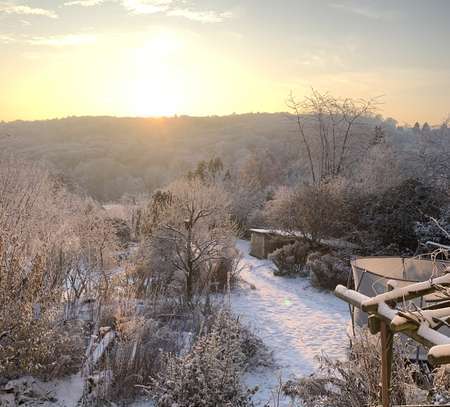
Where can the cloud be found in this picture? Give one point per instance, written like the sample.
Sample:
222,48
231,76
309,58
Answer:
201,16
169,7
84,3
146,6
12,8
6,39
63,40
362,11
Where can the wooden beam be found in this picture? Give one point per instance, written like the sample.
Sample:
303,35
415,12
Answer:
422,334
374,324
387,339
351,296
406,293
405,321
439,355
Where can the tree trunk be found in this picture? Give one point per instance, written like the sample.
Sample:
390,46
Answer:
190,267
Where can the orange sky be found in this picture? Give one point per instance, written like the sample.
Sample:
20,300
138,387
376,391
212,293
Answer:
165,57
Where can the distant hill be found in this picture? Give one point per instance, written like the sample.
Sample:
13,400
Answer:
109,157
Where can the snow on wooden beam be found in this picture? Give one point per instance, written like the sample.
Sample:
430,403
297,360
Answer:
422,334
406,293
439,355
94,357
429,336
351,296
404,323
408,320
102,346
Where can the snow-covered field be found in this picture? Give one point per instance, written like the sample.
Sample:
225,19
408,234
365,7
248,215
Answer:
296,321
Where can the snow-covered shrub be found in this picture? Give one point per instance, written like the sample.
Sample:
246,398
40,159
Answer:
146,332
291,258
209,375
32,209
54,247
436,230
327,270
226,270
355,382
40,349
391,217
122,230
318,211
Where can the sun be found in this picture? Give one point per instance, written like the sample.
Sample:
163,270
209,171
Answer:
156,81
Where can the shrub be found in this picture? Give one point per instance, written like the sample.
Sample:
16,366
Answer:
226,270
327,270
318,211
355,382
436,230
52,243
209,375
390,218
41,349
441,385
291,258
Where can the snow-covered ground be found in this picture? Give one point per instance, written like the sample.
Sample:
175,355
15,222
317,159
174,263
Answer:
296,322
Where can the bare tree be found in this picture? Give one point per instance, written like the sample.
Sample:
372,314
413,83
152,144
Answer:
89,251
327,127
195,232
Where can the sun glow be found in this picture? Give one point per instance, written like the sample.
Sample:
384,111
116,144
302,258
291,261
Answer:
156,81
160,72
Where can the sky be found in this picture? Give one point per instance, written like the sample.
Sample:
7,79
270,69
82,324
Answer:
217,57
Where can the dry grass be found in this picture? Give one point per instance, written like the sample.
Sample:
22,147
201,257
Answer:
355,382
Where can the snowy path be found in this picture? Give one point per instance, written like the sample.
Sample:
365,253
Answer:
295,321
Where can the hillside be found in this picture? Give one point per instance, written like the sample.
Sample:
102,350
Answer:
109,157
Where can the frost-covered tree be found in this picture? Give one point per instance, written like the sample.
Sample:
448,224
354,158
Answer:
208,171
426,129
90,247
195,233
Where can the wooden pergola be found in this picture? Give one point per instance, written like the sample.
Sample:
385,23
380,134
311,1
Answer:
420,325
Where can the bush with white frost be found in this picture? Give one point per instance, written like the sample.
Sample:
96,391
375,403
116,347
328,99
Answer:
209,375
52,245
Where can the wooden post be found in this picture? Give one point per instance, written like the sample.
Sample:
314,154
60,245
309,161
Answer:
386,363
